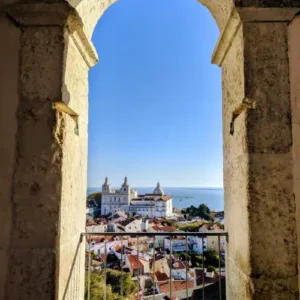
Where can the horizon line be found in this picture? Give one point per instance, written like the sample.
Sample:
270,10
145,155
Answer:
205,187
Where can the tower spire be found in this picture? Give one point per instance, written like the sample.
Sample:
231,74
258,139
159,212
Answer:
125,183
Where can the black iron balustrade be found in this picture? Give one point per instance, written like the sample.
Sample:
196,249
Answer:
153,292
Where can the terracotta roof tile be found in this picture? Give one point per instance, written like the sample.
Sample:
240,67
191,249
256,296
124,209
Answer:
175,285
161,276
134,262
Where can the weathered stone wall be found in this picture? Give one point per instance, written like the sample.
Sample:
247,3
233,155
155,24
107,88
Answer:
44,172
90,11
9,100
37,181
258,164
294,58
236,162
74,172
220,10
273,239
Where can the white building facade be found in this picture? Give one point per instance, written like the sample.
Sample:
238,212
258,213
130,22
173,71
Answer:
155,205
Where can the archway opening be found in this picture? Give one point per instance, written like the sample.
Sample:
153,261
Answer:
156,113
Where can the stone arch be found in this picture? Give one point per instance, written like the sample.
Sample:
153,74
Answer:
91,11
246,27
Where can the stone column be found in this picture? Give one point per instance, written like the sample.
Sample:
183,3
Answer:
9,97
258,162
294,55
45,254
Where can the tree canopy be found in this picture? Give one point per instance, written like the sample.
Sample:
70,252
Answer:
201,211
94,198
113,285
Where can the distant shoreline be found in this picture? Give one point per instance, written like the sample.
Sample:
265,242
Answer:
170,187
213,197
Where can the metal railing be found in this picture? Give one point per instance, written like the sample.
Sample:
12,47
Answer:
100,245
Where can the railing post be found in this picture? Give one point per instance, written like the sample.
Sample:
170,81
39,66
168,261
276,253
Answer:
220,287
122,267
105,265
153,267
171,238
186,268
89,272
171,266
138,270
203,273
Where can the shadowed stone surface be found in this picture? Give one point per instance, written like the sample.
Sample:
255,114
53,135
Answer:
31,275
9,100
267,81
258,166
268,3
294,60
37,179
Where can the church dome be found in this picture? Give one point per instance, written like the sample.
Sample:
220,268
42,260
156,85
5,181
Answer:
158,190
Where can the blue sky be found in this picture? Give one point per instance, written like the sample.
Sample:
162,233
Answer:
155,108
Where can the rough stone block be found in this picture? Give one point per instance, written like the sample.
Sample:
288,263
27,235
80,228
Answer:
32,274
267,82
272,216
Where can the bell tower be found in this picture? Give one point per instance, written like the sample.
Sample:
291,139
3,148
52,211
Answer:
126,190
106,187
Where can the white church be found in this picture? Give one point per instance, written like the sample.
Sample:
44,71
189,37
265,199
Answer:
155,205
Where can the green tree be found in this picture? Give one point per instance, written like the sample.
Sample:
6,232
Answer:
191,227
171,223
204,212
201,211
97,287
212,258
112,285
95,197
114,279
211,269
192,210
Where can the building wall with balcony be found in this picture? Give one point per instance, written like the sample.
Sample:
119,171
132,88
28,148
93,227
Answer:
143,243
161,265
99,247
178,244
195,244
96,228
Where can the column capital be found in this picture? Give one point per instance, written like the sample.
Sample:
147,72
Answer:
242,15
39,14
267,14
55,14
